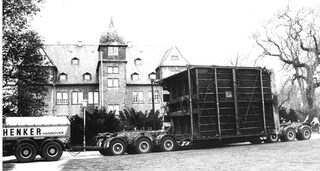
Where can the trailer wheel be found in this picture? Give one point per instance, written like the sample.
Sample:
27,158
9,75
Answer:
52,151
143,145
25,152
290,135
117,147
104,152
168,144
272,138
304,133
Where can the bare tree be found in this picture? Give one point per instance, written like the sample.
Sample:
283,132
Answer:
294,38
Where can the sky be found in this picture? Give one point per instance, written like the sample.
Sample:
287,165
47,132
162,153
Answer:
207,32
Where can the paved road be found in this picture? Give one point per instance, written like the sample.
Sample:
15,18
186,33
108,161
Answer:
296,155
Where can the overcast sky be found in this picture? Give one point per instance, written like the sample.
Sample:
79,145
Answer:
205,31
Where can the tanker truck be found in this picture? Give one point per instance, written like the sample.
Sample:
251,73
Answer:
27,137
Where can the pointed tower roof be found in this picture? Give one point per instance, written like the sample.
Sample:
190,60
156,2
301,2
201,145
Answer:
110,36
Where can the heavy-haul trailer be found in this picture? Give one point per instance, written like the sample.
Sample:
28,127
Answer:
212,103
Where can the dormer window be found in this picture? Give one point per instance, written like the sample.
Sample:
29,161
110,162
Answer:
174,57
87,76
137,61
75,61
63,77
135,76
113,51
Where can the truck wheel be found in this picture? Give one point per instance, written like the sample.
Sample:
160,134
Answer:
51,151
289,135
304,133
143,145
117,147
168,144
272,138
25,152
104,152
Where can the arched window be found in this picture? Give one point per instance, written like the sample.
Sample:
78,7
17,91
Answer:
74,61
63,77
135,76
87,76
137,61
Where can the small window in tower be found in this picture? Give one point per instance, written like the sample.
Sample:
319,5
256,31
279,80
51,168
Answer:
63,77
113,70
75,61
174,57
87,76
138,61
113,51
135,76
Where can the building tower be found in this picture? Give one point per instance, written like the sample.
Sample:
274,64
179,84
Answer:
112,70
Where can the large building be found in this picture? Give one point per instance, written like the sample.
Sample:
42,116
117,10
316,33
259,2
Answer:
113,74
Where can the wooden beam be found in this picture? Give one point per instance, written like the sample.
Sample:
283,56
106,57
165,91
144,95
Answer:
262,103
217,100
235,100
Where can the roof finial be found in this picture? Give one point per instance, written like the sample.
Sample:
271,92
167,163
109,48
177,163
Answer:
111,26
111,36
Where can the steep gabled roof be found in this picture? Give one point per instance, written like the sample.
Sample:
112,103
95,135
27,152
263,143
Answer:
150,57
62,54
173,51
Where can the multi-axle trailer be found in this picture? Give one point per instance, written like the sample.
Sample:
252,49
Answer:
210,104
206,104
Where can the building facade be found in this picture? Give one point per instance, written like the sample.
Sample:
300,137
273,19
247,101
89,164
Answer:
113,74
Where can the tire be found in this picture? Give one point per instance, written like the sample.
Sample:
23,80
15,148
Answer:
304,133
25,152
143,145
290,135
51,151
117,147
272,138
168,144
104,152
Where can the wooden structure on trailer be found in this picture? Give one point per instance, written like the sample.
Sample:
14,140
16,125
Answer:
216,102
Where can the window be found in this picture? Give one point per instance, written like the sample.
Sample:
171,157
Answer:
113,70
62,98
113,51
174,57
114,108
137,61
77,97
135,76
87,76
137,97
93,97
75,61
63,77
113,83
156,96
